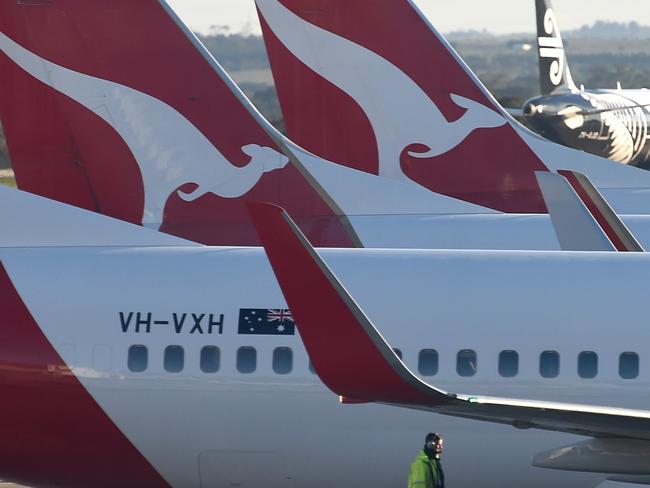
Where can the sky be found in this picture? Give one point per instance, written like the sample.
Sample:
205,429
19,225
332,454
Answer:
446,15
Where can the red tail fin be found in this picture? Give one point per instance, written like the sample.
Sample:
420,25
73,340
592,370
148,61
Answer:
116,107
372,85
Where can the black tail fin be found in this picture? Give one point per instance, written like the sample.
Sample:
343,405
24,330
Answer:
554,71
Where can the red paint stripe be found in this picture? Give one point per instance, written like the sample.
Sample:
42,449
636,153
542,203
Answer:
53,432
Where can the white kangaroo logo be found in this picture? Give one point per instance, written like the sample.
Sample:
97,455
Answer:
168,148
400,113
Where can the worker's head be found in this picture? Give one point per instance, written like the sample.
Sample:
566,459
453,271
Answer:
433,444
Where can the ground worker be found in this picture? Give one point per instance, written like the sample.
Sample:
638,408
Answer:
426,471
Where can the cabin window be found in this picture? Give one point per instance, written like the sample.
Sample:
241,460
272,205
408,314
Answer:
587,364
466,362
628,365
508,364
174,359
311,368
549,364
210,359
398,352
246,359
138,358
282,360
428,362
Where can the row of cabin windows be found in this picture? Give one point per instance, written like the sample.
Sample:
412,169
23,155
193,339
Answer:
466,361
210,359
508,365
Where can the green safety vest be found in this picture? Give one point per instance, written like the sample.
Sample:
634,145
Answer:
426,473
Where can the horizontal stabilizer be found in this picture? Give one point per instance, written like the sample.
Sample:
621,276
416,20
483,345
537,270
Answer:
354,361
576,229
33,221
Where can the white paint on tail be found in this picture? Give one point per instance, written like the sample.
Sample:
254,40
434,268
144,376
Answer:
400,112
35,221
169,149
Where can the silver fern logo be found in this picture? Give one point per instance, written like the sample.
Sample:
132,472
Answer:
551,47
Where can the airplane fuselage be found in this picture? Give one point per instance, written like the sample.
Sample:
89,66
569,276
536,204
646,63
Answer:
115,370
608,123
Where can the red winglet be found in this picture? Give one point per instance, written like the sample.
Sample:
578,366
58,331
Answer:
347,352
611,224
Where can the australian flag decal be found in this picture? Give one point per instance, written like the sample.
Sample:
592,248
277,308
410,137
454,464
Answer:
266,321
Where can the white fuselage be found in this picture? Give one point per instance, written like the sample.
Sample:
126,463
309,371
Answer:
471,231
270,429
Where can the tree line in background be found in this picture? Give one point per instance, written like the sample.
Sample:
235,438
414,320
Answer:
599,57
4,154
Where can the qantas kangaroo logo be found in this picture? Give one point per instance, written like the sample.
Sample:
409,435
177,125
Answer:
168,148
551,47
412,115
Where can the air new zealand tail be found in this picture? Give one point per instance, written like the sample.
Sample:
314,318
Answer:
554,74
612,123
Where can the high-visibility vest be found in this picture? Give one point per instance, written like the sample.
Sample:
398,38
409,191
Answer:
425,473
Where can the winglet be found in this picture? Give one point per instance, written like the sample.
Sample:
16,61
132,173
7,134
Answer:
365,369
575,226
612,225
354,360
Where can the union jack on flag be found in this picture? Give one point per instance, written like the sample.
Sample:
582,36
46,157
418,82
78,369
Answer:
279,314
266,321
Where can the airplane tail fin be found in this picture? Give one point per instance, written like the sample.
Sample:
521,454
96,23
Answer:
554,71
374,86
390,96
128,114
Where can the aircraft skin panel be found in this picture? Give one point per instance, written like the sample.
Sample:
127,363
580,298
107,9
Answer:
40,222
379,195
59,434
201,413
